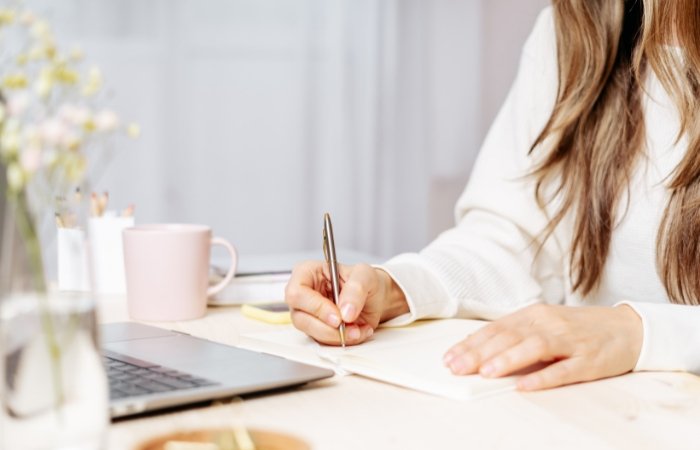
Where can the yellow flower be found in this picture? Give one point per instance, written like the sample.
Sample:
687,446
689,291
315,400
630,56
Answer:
76,54
15,81
10,139
44,84
49,48
89,125
7,16
15,177
133,130
31,136
71,141
22,59
63,74
94,82
74,166
35,53
3,113
41,29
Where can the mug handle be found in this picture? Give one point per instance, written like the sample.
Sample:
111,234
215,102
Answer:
231,271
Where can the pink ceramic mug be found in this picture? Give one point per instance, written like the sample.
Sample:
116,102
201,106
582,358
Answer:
167,270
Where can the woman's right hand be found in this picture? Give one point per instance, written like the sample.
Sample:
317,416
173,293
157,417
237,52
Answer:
368,296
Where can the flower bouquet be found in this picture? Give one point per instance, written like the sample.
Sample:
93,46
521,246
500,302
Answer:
53,137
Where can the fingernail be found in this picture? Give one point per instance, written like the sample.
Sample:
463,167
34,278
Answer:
370,332
487,370
463,364
348,312
526,384
448,358
457,365
333,320
353,333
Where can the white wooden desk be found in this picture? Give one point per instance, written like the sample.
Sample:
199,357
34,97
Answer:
636,411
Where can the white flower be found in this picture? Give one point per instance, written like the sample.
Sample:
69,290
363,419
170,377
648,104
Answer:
30,159
27,18
17,104
80,115
67,112
106,120
53,131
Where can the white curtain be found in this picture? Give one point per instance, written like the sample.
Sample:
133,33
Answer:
394,104
260,115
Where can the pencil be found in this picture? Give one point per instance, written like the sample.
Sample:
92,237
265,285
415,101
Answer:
94,205
128,211
103,202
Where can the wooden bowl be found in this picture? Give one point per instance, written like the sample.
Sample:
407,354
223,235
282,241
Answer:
263,439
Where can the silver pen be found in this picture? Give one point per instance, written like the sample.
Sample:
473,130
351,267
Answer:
332,261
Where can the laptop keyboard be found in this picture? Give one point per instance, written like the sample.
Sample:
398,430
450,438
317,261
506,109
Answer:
130,377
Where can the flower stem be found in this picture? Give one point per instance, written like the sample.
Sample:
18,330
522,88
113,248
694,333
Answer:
30,238
28,233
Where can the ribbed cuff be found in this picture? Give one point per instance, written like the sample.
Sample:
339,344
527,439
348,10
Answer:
671,335
424,294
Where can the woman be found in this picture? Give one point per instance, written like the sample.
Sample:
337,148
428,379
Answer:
579,230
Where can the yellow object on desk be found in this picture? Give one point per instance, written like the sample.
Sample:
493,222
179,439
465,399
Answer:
277,313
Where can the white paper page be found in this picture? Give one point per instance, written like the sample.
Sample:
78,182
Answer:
407,356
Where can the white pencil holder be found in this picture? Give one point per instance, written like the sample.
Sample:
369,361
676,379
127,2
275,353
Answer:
73,272
107,253
106,256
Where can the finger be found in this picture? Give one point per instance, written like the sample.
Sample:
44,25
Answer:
325,334
566,371
306,273
519,319
360,283
300,296
472,341
472,360
529,351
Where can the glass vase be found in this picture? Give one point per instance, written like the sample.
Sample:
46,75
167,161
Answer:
53,388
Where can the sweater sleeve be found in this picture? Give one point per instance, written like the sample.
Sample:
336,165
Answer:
671,336
488,264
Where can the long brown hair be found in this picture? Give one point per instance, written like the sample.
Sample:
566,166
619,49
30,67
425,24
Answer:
596,135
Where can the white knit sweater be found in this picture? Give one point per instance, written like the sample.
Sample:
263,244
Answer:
485,267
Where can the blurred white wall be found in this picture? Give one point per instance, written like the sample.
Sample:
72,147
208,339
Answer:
259,115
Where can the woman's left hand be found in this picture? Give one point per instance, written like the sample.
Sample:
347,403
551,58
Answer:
581,343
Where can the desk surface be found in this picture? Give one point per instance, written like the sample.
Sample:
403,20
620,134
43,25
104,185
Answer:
639,411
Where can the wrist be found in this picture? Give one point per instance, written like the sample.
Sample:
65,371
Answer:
394,299
633,328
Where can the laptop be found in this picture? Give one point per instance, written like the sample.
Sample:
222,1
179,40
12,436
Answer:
151,368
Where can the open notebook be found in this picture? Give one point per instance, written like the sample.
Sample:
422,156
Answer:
408,356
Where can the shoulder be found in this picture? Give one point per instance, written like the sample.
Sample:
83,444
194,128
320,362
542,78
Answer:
543,38
538,74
